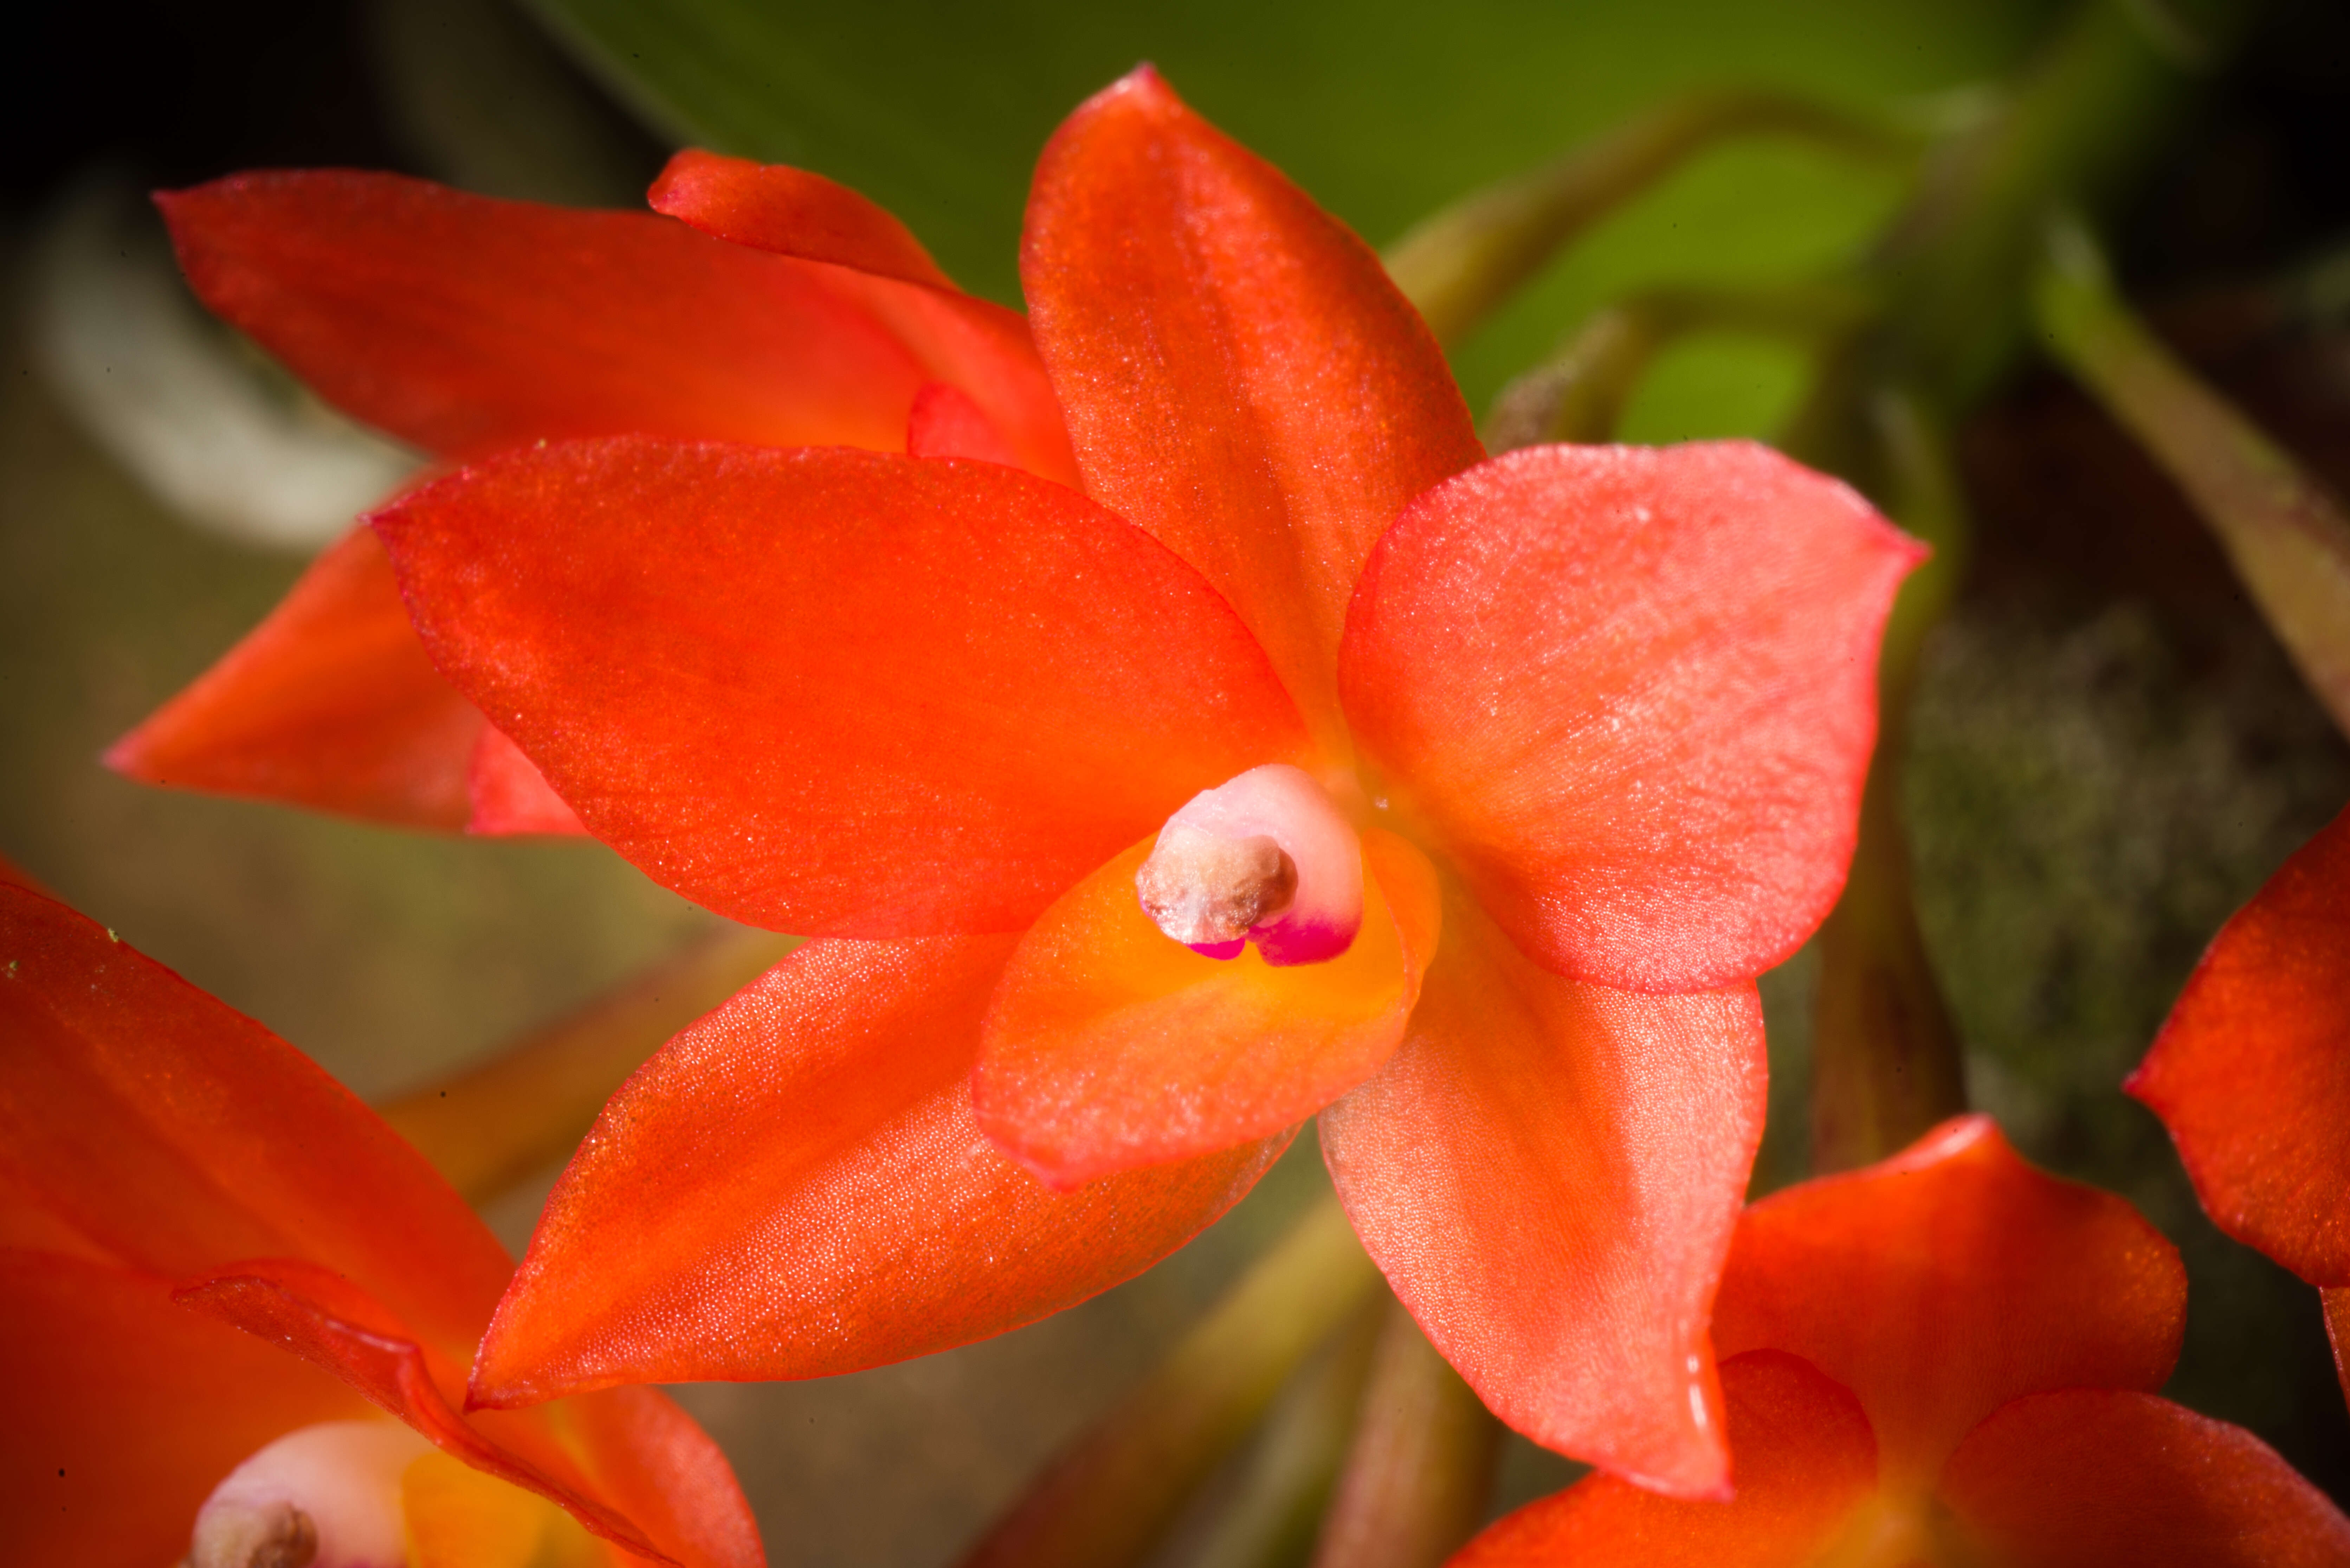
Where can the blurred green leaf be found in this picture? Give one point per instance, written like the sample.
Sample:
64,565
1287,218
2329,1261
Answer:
1383,111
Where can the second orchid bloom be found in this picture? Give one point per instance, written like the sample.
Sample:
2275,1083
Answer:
1467,795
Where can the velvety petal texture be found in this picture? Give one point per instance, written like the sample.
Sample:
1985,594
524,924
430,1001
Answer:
1633,692
180,1164
1943,1283
2101,1477
1239,377
1109,1046
2251,1073
794,1187
835,692
1806,1460
465,324
1548,1172
331,703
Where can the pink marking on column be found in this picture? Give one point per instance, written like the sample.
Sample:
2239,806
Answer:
1266,858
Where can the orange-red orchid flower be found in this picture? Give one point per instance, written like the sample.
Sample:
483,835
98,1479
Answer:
2251,1075
466,326
1295,757
216,1266
1949,1358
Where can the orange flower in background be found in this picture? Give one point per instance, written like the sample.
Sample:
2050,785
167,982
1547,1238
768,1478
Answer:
216,1267
1949,1357
1294,757
2251,1075
466,326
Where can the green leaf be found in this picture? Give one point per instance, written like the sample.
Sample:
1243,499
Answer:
1383,109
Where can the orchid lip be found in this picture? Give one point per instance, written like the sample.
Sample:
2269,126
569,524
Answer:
1264,858
325,1496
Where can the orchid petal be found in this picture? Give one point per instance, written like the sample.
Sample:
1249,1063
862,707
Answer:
1109,1045
169,1136
321,1319
979,350
791,212
154,1121
2097,1478
794,1187
830,691
944,422
1240,376
508,794
2251,1073
1943,1283
1634,690
331,703
465,324
124,1410
1806,1460
1548,1172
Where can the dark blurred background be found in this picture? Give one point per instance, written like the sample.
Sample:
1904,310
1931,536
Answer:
2110,751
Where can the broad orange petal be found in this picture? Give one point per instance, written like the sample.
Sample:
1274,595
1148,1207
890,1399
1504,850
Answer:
162,1126
1239,377
330,702
794,1187
465,324
1943,1283
1548,1172
1109,1045
1805,1461
125,1411
2251,1073
1635,689
2096,1478
835,692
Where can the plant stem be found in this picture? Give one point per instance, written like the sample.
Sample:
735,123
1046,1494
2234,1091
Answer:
2083,120
1886,1058
1110,1493
494,1122
1272,1518
1421,1467
1580,395
2288,539
1459,264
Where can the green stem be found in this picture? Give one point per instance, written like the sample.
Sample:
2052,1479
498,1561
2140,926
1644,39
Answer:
1886,1059
1111,1492
1459,264
1420,1470
1580,395
2083,121
2289,540
1273,1514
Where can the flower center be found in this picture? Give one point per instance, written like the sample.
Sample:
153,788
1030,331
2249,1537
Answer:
1264,858
323,1497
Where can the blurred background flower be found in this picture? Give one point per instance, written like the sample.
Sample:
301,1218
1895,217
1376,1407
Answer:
2107,750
